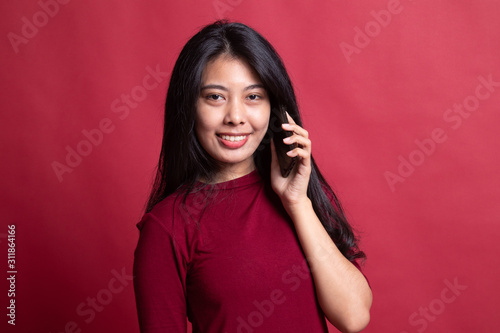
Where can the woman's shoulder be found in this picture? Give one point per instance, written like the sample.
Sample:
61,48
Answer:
163,213
166,227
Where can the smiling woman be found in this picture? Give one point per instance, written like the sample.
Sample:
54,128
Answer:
227,241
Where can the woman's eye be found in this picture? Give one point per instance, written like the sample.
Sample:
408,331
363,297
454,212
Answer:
253,97
214,97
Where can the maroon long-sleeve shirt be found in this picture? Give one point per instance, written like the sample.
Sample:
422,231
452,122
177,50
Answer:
235,267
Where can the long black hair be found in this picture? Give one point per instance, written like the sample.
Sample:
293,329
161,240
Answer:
183,161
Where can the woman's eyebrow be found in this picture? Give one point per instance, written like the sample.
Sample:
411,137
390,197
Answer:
214,86
218,86
254,86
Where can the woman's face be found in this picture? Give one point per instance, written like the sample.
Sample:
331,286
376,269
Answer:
232,114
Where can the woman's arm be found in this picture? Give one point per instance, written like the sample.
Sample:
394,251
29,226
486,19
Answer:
342,291
158,279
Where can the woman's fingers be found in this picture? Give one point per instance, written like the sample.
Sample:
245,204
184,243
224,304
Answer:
296,129
292,126
300,137
290,119
299,152
301,141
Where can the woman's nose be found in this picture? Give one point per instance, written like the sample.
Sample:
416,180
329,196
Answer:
236,113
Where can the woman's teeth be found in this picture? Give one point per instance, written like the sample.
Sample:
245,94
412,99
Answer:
233,138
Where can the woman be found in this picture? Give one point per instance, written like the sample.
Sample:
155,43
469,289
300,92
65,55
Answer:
228,242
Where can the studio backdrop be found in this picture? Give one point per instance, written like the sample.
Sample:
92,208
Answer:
401,99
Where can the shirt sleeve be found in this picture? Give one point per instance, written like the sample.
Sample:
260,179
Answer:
159,279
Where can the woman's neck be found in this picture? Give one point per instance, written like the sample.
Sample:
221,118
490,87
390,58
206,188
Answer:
228,173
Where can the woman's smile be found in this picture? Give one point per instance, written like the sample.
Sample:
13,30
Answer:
233,140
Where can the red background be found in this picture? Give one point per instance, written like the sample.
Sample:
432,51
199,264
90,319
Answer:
437,224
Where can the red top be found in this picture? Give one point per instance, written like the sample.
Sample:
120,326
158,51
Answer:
236,267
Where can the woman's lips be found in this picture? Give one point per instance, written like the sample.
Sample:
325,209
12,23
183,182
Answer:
233,140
